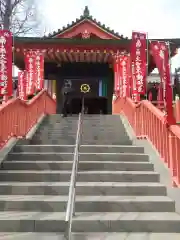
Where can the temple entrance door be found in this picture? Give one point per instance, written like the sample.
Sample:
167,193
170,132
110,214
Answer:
96,105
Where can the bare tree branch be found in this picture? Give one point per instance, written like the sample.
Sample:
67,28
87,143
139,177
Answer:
19,16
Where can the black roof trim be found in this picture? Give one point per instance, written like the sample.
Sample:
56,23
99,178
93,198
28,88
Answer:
173,41
71,41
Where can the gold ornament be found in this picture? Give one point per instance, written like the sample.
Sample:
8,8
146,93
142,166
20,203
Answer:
85,88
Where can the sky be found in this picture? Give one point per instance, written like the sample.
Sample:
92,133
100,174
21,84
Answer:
159,18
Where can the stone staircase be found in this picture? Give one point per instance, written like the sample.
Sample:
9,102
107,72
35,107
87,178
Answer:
119,195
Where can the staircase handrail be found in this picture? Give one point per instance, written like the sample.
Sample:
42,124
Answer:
17,116
70,210
149,122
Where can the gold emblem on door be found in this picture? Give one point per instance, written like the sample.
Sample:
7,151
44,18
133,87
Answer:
85,88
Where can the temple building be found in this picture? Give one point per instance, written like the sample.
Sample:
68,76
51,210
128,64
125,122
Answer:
81,53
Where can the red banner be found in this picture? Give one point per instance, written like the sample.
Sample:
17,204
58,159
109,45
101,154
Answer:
124,76
22,85
167,83
160,52
39,71
156,48
135,95
138,57
116,76
5,63
30,66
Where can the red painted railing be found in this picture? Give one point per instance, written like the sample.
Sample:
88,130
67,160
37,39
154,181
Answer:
17,117
148,122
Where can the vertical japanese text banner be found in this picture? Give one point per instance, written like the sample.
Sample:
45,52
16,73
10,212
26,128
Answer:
138,56
167,89
22,85
30,66
160,52
120,76
39,71
5,63
124,69
155,49
116,76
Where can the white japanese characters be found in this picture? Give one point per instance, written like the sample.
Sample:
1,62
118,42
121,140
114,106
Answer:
30,68
138,67
139,61
124,67
117,72
3,65
38,72
22,85
30,75
34,67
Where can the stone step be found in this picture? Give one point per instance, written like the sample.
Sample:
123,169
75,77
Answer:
90,133
82,166
111,149
46,148
104,141
83,148
155,222
94,125
92,204
68,140
90,236
65,141
55,132
46,156
69,127
83,188
83,176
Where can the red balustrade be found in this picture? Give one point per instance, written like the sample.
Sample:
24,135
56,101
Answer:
148,122
17,117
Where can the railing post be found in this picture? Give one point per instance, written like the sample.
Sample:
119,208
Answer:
172,156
